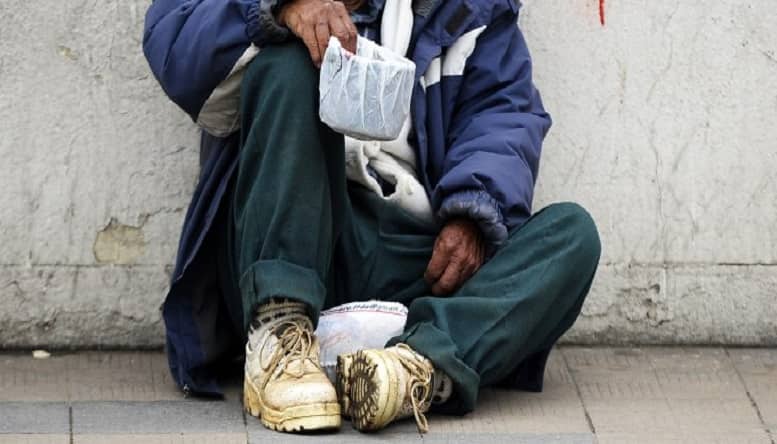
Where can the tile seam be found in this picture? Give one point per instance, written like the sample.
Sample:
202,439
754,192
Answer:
750,397
588,419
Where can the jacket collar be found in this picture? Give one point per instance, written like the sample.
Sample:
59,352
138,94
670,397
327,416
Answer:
447,20
369,12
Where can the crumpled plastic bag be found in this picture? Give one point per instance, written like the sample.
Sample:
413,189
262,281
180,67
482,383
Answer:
356,326
365,95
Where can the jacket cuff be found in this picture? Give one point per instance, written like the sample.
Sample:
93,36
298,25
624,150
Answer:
483,209
263,28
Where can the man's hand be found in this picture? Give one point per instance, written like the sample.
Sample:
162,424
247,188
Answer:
458,253
315,20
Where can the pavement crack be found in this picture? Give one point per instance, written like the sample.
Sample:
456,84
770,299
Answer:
751,398
579,394
70,421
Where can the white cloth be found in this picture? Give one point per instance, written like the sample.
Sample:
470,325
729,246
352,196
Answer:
394,161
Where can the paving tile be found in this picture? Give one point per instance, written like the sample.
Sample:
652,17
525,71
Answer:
164,386
696,373
166,389
755,361
558,381
625,416
161,417
86,376
617,374
758,368
758,437
499,438
715,416
128,438
23,378
34,417
35,439
215,438
114,376
689,358
623,387
655,374
674,416
258,434
608,359
768,411
177,438
501,411
702,385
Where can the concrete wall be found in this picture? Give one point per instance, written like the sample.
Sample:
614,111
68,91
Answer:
665,129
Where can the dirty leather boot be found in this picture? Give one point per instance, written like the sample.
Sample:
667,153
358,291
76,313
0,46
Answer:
284,384
377,387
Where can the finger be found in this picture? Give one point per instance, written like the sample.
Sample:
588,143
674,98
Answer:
309,38
351,32
449,281
437,264
322,36
467,271
341,10
339,29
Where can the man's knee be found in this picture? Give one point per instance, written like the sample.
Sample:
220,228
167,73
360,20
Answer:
581,233
281,69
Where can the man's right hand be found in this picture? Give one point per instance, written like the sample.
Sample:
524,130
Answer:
315,20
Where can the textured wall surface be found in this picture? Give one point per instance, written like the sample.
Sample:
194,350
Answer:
665,129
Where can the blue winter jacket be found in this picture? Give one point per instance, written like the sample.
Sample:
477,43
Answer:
478,126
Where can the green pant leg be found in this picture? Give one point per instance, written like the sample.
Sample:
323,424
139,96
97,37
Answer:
545,271
526,295
289,192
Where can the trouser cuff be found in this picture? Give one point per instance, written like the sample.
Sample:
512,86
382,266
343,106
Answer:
438,347
265,280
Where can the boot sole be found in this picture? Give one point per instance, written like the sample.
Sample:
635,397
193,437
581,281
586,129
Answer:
343,383
319,416
366,400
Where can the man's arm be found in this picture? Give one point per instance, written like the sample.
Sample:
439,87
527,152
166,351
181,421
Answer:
193,46
495,136
490,168
199,49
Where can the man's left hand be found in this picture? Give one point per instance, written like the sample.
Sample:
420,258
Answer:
458,253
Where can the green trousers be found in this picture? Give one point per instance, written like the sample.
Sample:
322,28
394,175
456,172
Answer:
302,231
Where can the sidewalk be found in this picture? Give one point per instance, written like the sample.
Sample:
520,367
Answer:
604,395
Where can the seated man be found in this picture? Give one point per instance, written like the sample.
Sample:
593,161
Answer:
283,224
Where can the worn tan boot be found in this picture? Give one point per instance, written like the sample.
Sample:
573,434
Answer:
284,384
377,387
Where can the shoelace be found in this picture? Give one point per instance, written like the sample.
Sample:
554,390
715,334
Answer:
420,384
295,340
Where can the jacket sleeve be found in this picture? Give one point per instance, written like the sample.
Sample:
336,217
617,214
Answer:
495,136
199,49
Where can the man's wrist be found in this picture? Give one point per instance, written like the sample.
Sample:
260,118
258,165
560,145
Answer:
466,223
263,27
280,15
479,207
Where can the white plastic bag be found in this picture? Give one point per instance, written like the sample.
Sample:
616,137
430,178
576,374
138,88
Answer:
365,95
356,326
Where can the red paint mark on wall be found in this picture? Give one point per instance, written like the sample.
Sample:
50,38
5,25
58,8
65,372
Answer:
601,12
